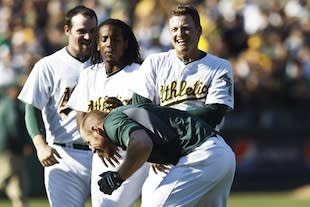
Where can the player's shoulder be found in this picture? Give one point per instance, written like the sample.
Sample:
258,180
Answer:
93,71
216,62
217,59
132,67
53,58
93,68
59,53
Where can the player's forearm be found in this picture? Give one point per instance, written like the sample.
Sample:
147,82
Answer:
137,99
34,121
211,113
139,149
39,141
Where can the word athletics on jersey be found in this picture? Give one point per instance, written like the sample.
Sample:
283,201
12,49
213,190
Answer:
182,90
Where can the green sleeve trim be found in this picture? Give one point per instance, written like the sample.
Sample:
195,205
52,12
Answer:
34,121
211,113
137,99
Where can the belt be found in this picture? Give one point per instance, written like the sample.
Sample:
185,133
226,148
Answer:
73,145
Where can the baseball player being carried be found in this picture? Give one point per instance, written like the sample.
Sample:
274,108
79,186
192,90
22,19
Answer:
52,124
185,78
203,165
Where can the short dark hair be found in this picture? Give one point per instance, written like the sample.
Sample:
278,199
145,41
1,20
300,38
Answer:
132,53
80,9
181,10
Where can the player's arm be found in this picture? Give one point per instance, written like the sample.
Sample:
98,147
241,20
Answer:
139,148
211,113
35,127
34,121
137,99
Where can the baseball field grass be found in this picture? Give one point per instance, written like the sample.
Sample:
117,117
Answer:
261,199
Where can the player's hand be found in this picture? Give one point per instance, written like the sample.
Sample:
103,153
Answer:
111,103
108,155
160,168
109,182
111,158
47,155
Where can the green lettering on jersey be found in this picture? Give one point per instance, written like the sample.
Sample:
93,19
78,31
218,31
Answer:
99,104
228,81
63,108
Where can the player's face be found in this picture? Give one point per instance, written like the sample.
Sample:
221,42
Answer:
98,142
112,44
80,35
184,35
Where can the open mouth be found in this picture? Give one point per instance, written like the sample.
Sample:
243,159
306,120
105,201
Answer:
181,41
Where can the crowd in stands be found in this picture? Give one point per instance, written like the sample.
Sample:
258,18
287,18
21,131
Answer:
267,42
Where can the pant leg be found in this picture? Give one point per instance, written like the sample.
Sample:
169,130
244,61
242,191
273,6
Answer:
151,183
67,183
202,178
126,194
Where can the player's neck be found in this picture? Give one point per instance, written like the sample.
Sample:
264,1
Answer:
110,69
81,57
191,57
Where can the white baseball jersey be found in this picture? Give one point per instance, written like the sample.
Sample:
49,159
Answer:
93,87
166,80
48,88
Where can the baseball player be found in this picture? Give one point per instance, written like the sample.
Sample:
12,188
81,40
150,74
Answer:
51,123
185,78
106,83
203,164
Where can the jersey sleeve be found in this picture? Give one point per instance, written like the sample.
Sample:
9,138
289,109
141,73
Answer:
146,80
221,90
38,85
80,96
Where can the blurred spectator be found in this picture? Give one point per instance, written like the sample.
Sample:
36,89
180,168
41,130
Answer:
7,74
14,146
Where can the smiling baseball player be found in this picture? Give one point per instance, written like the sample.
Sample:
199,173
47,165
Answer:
51,123
185,78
